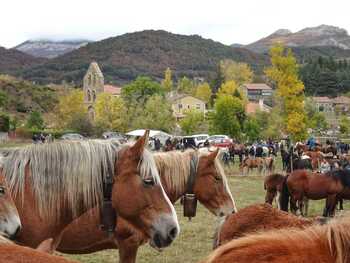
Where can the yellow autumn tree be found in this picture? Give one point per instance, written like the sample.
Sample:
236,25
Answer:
240,73
290,90
110,113
203,92
69,107
231,88
167,83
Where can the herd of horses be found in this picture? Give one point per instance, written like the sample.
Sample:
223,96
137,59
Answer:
87,196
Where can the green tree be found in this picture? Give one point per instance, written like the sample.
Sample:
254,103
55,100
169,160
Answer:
110,113
167,83
81,123
344,125
203,92
290,91
3,99
140,90
192,122
228,116
252,129
35,121
4,122
185,85
157,114
240,73
232,89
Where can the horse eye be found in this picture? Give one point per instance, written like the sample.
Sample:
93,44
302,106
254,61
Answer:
217,178
148,182
2,190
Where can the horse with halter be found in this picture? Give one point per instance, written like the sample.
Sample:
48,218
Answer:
53,184
256,218
301,183
194,175
325,243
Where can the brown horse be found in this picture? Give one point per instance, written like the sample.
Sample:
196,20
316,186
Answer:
251,163
316,158
209,186
329,243
55,183
11,253
314,186
273,185
269,163
256,218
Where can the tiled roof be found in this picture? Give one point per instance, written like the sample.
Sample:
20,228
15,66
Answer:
114,90
341,100
255,86
322,99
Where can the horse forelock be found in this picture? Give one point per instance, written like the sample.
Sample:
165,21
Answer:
62,172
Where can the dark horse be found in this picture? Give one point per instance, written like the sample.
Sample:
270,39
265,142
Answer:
301,183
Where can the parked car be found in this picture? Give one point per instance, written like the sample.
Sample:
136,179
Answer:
222,141
113,135
72,137
198,139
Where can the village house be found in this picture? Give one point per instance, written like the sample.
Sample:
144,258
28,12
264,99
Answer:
257,91
93,85
338,105
253,107
182,103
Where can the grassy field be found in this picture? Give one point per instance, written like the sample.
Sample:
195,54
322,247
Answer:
195,240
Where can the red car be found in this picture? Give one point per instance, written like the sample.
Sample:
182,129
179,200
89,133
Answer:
221,141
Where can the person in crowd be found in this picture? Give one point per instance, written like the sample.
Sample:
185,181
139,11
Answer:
259,151
157,144
324,166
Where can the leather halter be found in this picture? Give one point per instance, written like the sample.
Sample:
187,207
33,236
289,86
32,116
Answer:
108,214
189,199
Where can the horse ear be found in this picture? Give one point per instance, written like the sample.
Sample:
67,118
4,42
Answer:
212,156
139,146
46,246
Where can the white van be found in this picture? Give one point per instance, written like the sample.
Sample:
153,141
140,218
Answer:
199,139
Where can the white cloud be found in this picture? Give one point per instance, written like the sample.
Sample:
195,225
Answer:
226,21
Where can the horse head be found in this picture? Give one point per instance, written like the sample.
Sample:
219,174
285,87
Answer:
10,224
211,187
139,197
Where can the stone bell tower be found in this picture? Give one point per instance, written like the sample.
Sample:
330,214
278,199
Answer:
93,84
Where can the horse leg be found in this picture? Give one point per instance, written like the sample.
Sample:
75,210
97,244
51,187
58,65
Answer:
293,205
306,206
331,203
340,200
127,252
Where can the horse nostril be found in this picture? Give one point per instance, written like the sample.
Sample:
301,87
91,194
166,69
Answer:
14,235
221,214
173,233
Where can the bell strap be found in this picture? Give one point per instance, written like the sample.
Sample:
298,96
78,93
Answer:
193,172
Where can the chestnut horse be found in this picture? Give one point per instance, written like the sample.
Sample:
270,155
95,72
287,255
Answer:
52,184
210,187
273,184
256,218
251,163
328,243
314,186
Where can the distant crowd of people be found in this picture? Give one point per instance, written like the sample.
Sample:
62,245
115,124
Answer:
41,138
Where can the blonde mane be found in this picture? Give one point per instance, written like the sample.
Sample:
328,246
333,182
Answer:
335,236
67,174
174,168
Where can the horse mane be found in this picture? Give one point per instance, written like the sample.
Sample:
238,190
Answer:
334,236
343,175
66,174
275,177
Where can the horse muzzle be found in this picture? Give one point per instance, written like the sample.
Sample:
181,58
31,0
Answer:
164,232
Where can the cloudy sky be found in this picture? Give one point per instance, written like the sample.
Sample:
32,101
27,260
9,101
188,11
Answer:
227,21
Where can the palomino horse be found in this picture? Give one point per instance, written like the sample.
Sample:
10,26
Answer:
256,218
314,186
209,185
327,244
251,163
53,184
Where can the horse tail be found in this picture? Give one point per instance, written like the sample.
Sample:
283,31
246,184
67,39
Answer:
284,197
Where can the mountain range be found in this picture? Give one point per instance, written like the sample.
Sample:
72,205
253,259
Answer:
123,58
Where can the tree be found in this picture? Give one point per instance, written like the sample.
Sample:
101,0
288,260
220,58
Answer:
192,121
232,89
290,91
185,85
4,122
35,121
141,89
240,73
167,83
68,107
110,113
157,114
228,116
3,99
252,129
203,92
344,125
